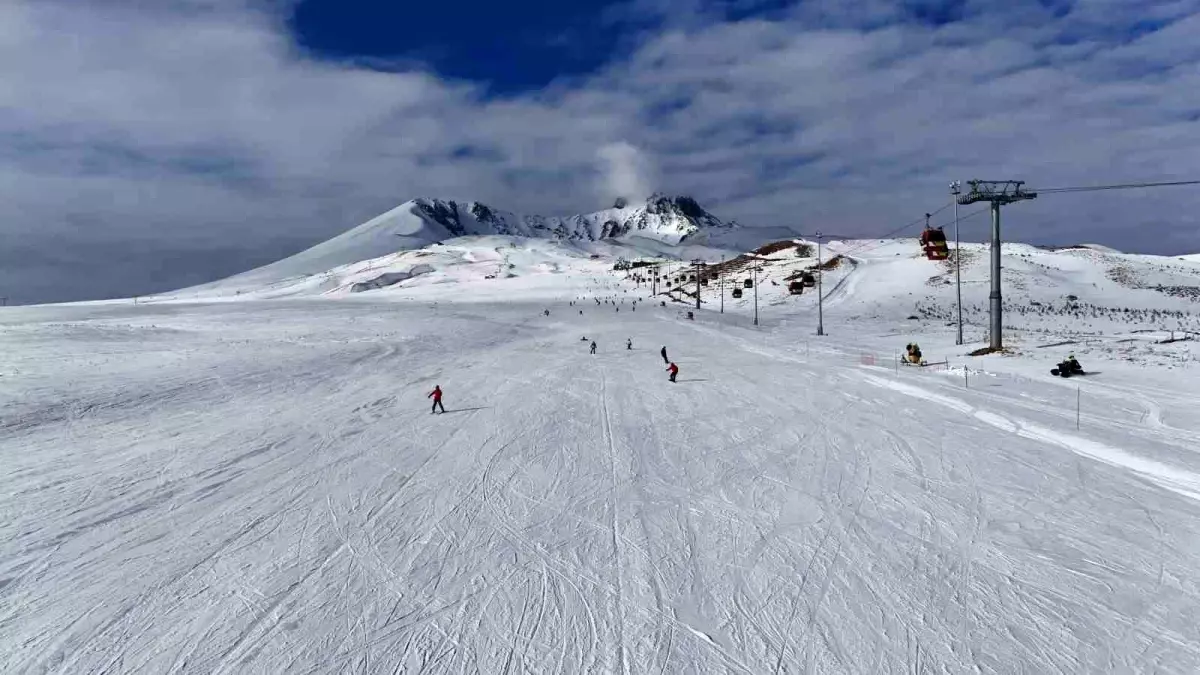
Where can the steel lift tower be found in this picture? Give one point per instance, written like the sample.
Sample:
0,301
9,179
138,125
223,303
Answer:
996,192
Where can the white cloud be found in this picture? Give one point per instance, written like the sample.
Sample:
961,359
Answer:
627,172
198,132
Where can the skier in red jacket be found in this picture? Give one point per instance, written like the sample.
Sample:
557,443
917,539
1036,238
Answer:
436,395
673,370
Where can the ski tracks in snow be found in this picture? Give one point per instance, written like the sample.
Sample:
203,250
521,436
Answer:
1173,478
614,524
577,513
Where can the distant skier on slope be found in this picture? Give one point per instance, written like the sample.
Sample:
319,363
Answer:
673,370
436,395
628,343
593,346
664,354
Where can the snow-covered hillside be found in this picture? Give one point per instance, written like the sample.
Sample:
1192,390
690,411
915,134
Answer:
245,478
661,222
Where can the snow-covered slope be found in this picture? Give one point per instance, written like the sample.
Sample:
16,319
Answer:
1106,303
258,487
254,485
405,227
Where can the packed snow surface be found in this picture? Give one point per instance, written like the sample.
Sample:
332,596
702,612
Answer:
247,478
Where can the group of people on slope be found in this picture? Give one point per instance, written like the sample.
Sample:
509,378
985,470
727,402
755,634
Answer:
672,370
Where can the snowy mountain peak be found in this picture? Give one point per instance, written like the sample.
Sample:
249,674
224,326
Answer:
681,205
662,220
444,213
666,218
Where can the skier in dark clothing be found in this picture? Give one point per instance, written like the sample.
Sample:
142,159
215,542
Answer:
664,355
629,343
593,346
436,395
673,370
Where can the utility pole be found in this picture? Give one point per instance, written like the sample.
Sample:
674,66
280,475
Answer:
721,282
756,291
820,290
955,189
996,192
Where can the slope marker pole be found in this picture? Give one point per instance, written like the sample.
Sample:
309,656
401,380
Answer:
821,291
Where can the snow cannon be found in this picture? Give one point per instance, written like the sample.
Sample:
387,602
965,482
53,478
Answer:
933,242
912,355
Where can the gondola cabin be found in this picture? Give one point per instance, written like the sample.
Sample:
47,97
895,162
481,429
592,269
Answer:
808,279
796,287
749,283
737,292
933,242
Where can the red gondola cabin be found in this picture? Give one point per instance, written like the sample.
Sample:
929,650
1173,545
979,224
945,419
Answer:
933,241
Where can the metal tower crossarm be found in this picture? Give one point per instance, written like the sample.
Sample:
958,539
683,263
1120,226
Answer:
996,192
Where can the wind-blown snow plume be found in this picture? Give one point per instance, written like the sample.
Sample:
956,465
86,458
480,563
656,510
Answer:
628,173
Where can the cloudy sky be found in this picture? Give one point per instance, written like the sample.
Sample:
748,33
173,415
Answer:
151,145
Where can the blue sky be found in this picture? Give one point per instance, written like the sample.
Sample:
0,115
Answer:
513,47
152,145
